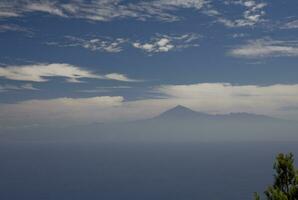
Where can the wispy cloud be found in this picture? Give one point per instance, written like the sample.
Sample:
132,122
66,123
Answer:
14,28
6,87
120,77
253,13
17,8
101,10
46,6
102,44
157,44
40,73
291,25
105,89
165,43
162,10
239,35
266,47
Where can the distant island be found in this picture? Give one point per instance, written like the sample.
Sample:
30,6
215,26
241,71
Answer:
178,124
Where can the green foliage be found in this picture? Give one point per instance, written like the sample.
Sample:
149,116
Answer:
285,185
257,196
275,194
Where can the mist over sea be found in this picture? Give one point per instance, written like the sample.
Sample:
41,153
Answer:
56,170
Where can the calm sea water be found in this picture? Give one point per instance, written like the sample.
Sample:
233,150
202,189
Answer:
77,171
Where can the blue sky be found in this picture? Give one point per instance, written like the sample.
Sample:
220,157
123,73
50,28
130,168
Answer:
103,60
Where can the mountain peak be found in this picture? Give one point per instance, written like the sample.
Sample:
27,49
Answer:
180,112
180,108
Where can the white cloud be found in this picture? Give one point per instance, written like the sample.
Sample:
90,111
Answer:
6,87
239,35
45,6
108,45
205,97
226,98
165,43
17,8
291,25
40,73
106,89
158,43
100,10
216,98
163,10
59,111
13,27
253,13
119,77
5,14
266,48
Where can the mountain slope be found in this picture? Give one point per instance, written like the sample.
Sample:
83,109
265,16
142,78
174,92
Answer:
183,113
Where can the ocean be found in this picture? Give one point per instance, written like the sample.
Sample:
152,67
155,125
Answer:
134,171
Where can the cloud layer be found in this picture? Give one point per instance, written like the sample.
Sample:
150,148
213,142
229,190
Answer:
100,10
163,10
206,97
165,43
41,73
6,87
291,25
253,13
14,28
224,97
157,44
101,44
59,111
266,48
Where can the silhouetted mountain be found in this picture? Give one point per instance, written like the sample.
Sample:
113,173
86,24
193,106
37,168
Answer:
179,124
183,113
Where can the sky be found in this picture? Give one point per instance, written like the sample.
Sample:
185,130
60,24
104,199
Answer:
83,61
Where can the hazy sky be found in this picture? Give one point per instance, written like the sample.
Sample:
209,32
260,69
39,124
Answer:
80,61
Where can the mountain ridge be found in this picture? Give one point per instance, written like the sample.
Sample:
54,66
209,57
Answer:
180,112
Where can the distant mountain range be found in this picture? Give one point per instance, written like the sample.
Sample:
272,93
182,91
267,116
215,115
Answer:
179,124
183,113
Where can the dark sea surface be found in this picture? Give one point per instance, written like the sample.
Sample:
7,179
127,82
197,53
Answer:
116,171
